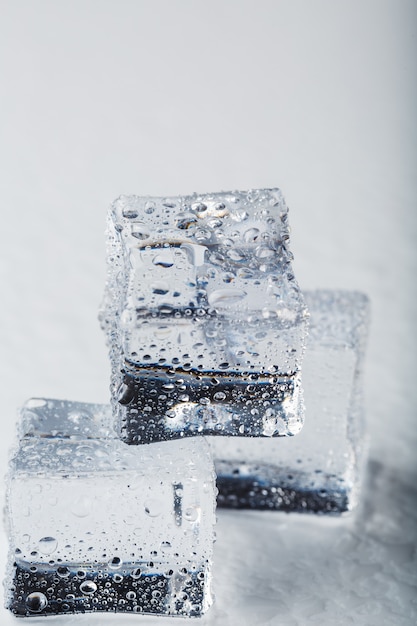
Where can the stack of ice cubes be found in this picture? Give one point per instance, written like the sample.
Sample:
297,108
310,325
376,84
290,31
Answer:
207,329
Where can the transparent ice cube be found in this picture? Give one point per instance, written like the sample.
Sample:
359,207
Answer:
204,319
96,525
317,471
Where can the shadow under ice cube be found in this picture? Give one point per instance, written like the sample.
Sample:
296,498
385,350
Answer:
317,471
204,319
96,525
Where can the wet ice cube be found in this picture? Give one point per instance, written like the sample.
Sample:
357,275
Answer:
96,525
317,471
204,319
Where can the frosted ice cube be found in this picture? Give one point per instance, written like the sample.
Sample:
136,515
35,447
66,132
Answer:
317,471
96,525
204,319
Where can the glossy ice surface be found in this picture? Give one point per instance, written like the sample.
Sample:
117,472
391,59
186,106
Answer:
204,319
317,471
96,525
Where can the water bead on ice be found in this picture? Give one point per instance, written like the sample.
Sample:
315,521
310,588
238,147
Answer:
88,587
36,602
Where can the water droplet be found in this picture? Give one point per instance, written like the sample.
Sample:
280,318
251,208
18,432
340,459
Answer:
219,396
225,297
162,331
36,602
228,277
140,231
264,253
118,578
165,546
47,545
164,258
191,514
88,587
131,595
199,208
251,235
185,220
115,563
235,255
136,573
63,572
160,288
129,213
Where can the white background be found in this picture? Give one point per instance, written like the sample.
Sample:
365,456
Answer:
103,97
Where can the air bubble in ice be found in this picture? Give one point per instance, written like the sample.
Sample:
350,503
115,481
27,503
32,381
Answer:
88,587
36,602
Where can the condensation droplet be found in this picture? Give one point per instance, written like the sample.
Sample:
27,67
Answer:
164,259
63,572
186,220
88,587
129,213
162,331
136,573
36,602
47,545
226,297
251,235
160,288
191,514
115,563
140,231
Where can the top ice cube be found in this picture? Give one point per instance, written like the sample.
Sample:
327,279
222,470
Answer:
204,318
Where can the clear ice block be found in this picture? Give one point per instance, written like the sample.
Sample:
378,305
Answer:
96,525
204,319
317,471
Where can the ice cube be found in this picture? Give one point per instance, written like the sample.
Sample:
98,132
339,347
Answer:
317,471
96,525
204,319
